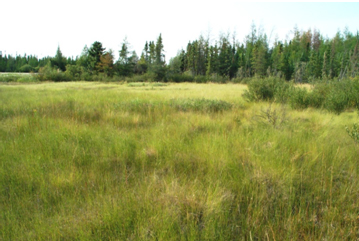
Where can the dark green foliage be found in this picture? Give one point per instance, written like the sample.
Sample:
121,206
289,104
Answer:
74,71
15,64
178,78
58,61
26,68
159,72
299,98
125,64
94,55
48,73
334,96
318,94
200,79
215,78
266,89
342,95
18,78
336,101
307,56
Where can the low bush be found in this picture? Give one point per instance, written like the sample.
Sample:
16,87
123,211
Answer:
15,77
179,78
48,73
273,116
8,78
267,89
342,95
27,68
318,94
138,78
216,78
74,72
336,101
334,96
200,79
299,98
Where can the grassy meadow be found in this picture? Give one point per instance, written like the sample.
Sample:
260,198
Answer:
155,161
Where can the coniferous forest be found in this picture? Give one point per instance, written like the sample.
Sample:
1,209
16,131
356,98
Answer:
307,56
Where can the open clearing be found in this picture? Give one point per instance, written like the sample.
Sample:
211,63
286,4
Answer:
162,161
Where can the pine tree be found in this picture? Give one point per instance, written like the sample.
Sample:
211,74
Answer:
152,53
126,64
59,61
325,66
94,55
259,59
160,57
224,57
157,65
354,61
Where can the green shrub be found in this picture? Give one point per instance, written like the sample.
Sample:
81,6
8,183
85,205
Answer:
353,132
138,78
27,68
16,77
200,79
236,80
216,78
351,88
178,78
299,98
49,73
336,101
74,72
318,94
282,91
8,78
266,89
341,95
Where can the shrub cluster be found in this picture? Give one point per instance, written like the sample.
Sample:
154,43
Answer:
49,73
268,89
16,77
334,96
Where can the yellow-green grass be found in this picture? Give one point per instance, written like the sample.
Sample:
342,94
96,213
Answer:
122,161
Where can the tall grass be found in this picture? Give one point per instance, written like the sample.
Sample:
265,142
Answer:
93,161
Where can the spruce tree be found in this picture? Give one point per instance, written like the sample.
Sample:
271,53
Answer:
94,54
59,61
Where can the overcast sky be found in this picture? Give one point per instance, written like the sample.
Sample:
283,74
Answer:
37,27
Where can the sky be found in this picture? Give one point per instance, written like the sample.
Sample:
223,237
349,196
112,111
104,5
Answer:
38,27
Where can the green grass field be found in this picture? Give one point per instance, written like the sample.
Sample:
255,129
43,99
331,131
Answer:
151,161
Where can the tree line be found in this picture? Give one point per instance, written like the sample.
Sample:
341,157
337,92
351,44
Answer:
308,55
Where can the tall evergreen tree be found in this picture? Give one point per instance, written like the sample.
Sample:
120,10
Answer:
94,54
157,65
59,61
